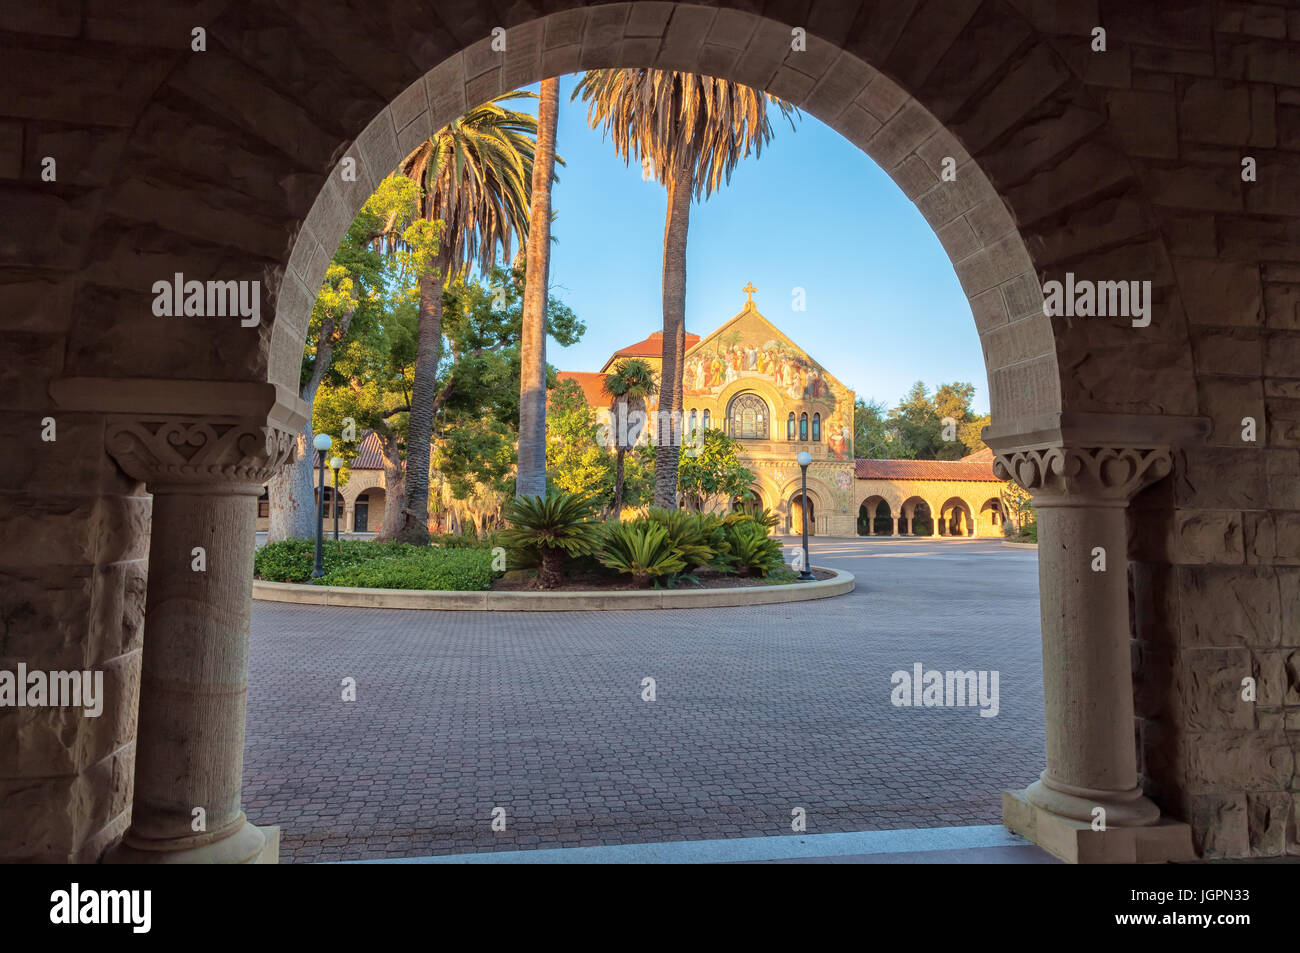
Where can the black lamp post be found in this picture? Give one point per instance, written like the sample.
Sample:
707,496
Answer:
335,464
321,443
804,459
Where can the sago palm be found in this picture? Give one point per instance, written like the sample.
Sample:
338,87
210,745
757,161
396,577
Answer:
630,383
551,528
475,179
690,131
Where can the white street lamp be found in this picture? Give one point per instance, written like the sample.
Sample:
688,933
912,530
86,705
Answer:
321,443
804,458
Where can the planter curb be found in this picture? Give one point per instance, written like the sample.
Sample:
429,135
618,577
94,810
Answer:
304,594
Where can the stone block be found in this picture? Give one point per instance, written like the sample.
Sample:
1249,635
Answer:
1220,478
1208,537
1235,761
1145,122
1219,824
1282,305
1270,823
1228,606
1208,686
1227,402
1211,110
1227,351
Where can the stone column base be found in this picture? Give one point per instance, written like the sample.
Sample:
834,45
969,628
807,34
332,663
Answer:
251,845
1075,842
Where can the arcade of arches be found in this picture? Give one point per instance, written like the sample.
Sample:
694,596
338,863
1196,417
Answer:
1173,444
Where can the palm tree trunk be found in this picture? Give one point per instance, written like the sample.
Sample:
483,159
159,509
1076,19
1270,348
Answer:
393,488
531,479
674,348
618,483
413,526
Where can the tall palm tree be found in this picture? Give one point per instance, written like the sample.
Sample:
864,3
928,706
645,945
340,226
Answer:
474,176
630,383
693,130
531,478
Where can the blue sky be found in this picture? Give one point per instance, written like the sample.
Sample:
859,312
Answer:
884,307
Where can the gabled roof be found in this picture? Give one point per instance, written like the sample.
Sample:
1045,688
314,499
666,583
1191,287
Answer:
975,468
653,346
592,384
369,456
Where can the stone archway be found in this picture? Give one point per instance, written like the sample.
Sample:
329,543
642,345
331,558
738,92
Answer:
1113,168
803,510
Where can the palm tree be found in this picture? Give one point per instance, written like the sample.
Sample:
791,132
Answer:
693,130
474,176
531,478
630,383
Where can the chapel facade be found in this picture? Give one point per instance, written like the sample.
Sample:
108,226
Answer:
764,390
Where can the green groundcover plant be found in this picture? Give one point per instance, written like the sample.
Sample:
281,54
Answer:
367,564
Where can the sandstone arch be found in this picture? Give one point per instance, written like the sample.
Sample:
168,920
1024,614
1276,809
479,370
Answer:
226,166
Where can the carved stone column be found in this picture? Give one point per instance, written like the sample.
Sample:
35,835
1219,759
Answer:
1087,805
205,474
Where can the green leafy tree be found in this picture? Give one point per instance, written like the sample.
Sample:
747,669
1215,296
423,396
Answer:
715,472
355,293
575,461
873,437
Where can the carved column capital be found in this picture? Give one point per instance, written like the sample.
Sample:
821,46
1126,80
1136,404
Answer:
199,454
1091,475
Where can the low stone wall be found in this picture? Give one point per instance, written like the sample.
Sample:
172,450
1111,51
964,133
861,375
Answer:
301,594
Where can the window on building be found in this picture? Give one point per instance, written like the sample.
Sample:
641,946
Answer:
817,427
747,417
789,426
706,420
264,503
803,426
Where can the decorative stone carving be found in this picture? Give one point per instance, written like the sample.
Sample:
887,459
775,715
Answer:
1096,473
194,451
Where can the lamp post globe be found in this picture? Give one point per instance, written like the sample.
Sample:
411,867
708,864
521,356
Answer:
336,464
322,443
804,458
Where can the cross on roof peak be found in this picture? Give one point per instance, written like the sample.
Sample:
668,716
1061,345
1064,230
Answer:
749,290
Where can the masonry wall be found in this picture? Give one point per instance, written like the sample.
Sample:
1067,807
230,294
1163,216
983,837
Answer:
1118,165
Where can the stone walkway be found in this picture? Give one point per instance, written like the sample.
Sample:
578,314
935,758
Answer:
758,712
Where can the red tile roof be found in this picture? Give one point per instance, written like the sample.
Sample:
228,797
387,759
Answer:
592,384
653,346
974,468
369,454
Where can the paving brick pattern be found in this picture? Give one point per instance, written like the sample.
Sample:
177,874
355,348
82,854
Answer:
759,711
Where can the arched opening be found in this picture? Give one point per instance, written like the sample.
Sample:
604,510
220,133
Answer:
955,75
867,516
956,519
747,417
802,514
991,515
918,517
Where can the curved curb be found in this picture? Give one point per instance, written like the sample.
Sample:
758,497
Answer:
1019,545
301,594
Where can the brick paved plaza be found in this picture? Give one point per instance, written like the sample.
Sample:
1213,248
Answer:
758,711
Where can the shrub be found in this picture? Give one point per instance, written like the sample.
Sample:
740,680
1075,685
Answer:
686,535
764,518
467,540
459,570
642,549
753,552
292,560
1029,532
549,529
